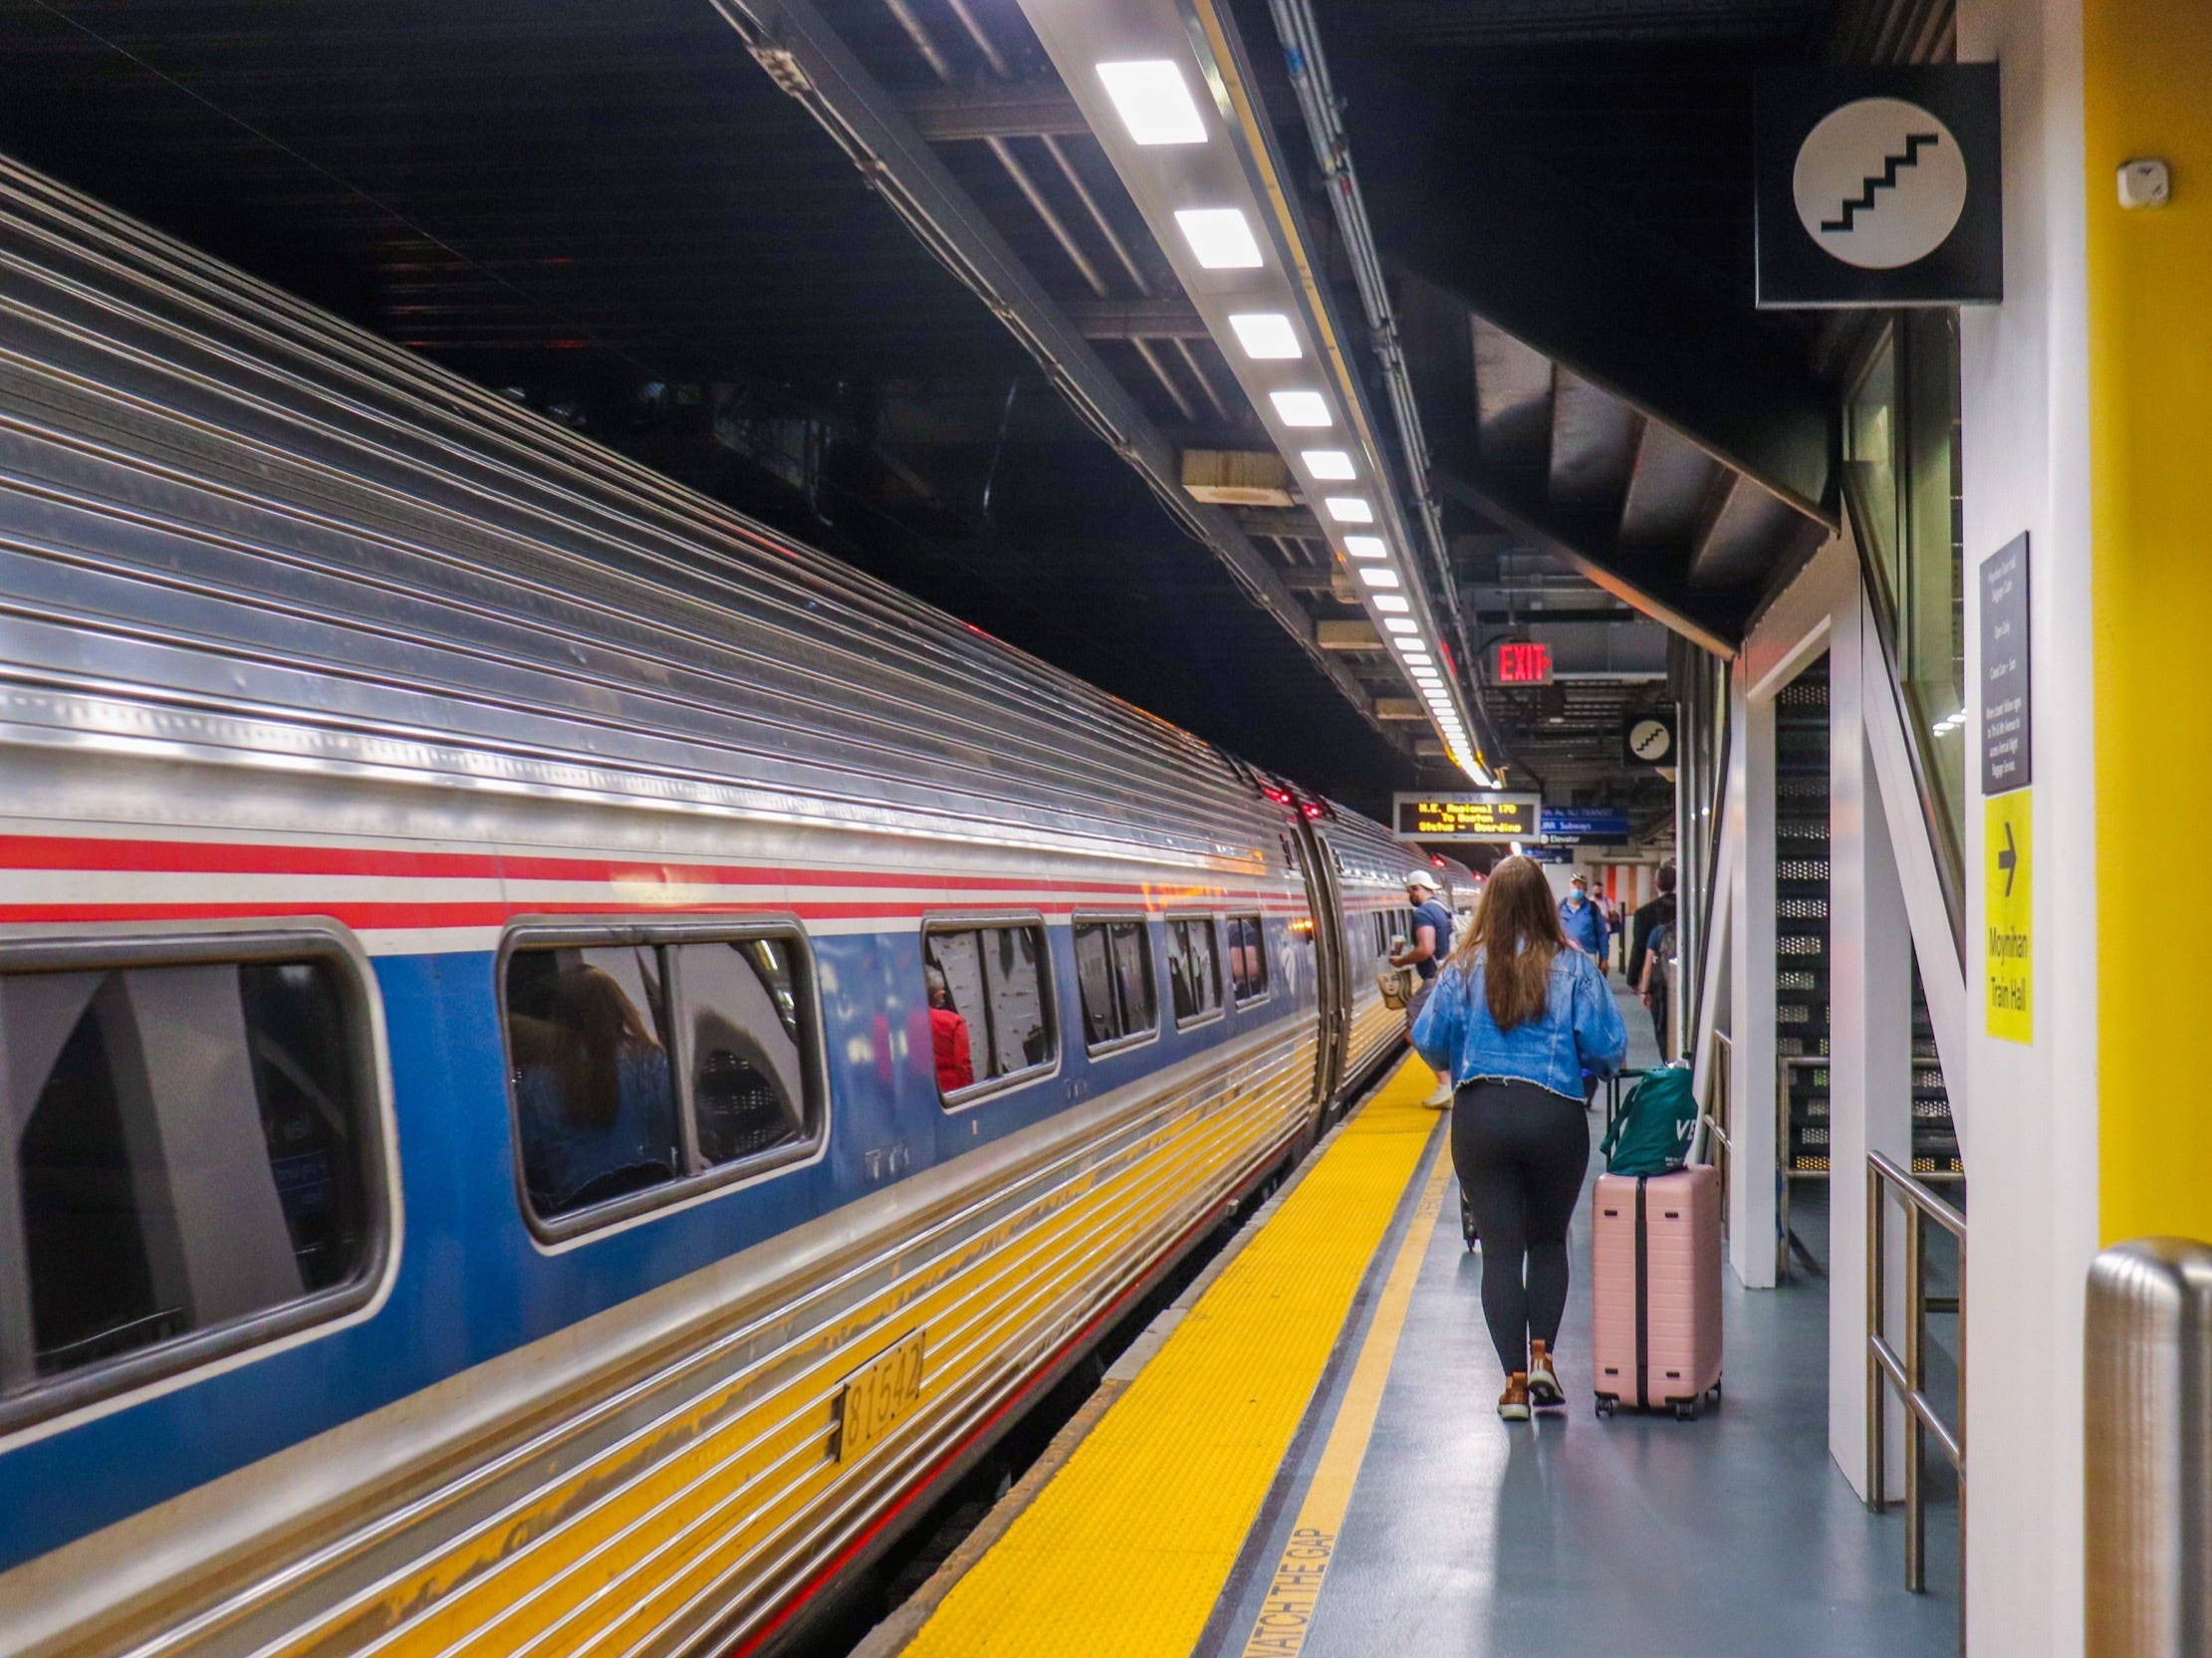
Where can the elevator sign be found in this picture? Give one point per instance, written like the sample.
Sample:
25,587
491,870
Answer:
1469,817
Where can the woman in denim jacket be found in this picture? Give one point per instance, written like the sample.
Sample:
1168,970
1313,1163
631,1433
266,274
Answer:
1516,1018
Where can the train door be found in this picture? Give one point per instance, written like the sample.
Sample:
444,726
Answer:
1326,902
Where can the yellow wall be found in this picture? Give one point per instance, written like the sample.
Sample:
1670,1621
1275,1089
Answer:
2147,80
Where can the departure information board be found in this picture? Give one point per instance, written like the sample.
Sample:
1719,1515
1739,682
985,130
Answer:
1469,817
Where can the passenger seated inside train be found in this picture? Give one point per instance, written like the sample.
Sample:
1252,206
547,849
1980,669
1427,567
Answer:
995,991
595,1098
949,1036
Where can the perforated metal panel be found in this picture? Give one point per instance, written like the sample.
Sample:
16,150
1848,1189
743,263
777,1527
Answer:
1801,909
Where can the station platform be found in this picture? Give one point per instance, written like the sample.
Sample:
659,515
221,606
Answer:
1303,1457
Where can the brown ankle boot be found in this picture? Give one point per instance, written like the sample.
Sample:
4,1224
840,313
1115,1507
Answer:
1513,1403
1544,1387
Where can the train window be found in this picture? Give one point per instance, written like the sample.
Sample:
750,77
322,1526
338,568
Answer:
195,1153
997,991
742,1046
644,1060
1113,973
1193,967
1247,958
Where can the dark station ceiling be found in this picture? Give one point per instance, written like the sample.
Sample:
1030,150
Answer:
620,216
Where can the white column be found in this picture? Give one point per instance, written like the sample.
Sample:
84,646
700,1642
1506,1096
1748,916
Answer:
1869,955
1750,1195
2032,1142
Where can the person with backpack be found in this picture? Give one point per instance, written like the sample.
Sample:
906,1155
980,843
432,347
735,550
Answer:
1660,913
1515,1019
1658,979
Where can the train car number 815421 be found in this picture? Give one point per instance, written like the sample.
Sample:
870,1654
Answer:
878,1395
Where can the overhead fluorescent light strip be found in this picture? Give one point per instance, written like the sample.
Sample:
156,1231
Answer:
1366,546
1154,103
1351,509
1328,466
1220,238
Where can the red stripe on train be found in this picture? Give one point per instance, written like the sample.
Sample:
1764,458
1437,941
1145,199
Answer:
373,917
99,853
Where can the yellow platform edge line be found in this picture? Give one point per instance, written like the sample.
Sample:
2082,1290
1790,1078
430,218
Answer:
1286,1617
1128,1548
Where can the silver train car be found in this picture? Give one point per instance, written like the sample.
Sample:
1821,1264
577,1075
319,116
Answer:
565,1062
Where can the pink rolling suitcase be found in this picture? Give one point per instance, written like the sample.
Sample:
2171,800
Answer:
1655,1281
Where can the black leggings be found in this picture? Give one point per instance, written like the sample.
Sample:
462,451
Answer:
1521,1152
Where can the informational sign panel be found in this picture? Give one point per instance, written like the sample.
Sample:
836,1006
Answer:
1879,187
2009,891
1647,738
1584,823
1549,855
2008,688
1483,816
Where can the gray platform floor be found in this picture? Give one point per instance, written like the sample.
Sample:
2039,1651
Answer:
1732,1535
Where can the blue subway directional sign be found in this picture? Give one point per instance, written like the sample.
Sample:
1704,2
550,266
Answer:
1584,823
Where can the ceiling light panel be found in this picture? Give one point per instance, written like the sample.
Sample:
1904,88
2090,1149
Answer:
1246,266
1266,336
1220,238
1155,102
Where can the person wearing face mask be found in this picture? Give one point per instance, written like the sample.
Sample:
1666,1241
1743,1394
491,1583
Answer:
1584,922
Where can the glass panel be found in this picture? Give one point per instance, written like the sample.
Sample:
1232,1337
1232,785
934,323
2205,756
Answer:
1013,967
1102,1006
1247,957
189,1151
748,1068
1901,455
595,1098
1931,593
1194,970
963,1024
1133,962
1871,456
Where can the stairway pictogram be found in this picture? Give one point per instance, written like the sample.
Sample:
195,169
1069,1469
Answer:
1886,179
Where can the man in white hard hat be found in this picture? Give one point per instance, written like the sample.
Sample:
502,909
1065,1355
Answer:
1424,952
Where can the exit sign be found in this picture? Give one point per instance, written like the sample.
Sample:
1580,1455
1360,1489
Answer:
1523,664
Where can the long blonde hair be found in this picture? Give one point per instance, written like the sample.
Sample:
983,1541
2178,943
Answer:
1517,932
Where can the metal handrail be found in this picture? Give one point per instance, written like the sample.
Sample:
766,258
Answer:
1907,1373
2148,1467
